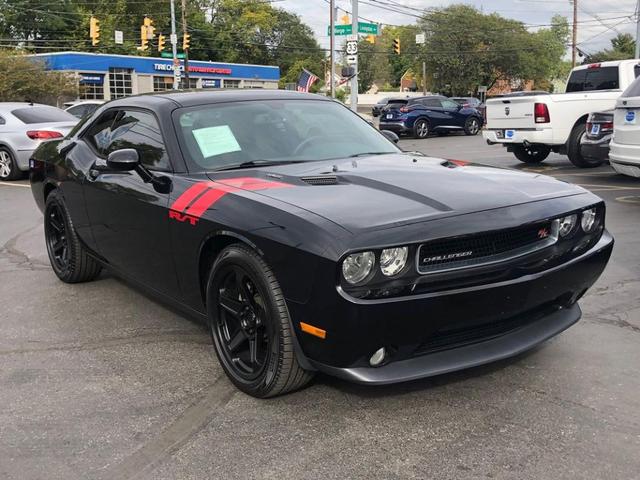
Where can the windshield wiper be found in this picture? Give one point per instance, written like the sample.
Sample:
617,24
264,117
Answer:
366,154
256,163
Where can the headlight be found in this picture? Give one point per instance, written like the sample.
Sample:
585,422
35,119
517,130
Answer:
589,220
393,260
567,224
357,266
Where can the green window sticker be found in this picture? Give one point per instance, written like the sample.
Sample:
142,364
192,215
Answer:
216,140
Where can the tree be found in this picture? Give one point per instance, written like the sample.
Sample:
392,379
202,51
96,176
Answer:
623,46
26,79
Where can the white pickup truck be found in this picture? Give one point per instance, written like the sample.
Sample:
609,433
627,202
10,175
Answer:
533,124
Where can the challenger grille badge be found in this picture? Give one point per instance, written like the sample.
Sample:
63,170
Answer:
450,256
543,233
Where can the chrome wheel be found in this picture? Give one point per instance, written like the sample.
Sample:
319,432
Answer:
473,126
422,128
6,164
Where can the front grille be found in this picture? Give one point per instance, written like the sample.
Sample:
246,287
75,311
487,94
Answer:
489,247
321,180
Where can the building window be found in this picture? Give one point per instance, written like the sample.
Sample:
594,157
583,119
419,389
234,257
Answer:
91,92
231,83
253,84
161,84
120,82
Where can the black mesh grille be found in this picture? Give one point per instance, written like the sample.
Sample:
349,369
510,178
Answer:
321,180
475,249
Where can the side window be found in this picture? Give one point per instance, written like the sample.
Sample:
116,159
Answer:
98,135
140,131
449,104
576,81
431,102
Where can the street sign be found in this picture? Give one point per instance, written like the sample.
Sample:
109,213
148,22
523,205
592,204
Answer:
482,89
173,38
420,39
352,59
170,55
352,47
363,27
118,37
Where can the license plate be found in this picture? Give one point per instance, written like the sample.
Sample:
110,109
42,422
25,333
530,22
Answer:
389,115
509,134
630,117
595,129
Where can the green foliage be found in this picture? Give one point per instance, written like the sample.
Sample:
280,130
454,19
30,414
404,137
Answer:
623,47
25,79
293,73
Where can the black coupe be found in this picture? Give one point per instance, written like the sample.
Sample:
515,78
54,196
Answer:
309,242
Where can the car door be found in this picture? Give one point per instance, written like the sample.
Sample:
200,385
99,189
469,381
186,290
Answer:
432,109
128,216
451,116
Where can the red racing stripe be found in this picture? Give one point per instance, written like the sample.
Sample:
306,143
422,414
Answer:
189,195
205,201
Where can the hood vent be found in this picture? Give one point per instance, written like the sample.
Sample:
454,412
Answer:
321,180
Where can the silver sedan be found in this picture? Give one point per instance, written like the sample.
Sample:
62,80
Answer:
23,126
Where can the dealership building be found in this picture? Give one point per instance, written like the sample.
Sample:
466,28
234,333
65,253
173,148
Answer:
105,77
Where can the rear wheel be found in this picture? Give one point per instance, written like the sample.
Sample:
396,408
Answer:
421,128
531,153
250,326
8,167
472,126
69,259
574,149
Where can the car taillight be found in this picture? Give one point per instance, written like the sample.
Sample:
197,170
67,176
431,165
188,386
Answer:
404,109
541,113
43,134
606,126
594,65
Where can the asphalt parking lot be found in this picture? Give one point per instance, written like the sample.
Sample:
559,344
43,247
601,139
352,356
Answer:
99,381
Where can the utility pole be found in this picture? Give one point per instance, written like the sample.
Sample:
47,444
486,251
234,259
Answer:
424,78
354,79
174,48
575,33
186,51
332,46
638,30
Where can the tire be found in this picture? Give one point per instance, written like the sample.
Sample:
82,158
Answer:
8,167
250,326
69,259
532,153
574,149
472,126
421,128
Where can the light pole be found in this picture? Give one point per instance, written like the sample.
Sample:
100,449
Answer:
332,47
174,48
354,79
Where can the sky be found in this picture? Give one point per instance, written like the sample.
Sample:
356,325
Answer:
598,20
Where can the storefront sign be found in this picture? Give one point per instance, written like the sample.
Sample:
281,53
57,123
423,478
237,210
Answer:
167,67
86,79
211,83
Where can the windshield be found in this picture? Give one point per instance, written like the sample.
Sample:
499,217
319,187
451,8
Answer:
223,135
43,115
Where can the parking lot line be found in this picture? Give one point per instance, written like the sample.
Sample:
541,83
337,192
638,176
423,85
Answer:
607,187
5,184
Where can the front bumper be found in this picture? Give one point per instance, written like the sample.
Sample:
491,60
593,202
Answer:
533,308
625,159
595,149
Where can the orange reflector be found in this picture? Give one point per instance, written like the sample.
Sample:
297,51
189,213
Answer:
311,330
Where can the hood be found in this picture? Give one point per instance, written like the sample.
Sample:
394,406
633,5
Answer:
390,190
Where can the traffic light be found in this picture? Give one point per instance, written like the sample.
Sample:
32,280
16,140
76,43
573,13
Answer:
396,46
161,40
94,31
371,39
186,40
345,19
148,24
144,42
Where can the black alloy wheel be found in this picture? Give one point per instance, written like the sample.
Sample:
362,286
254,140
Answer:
250,325
56,236
531,153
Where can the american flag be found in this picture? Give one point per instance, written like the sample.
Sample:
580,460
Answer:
305,81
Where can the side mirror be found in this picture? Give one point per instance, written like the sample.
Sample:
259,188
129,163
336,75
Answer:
123,160
391,136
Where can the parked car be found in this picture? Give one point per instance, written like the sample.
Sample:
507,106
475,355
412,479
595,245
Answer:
306,241
624,154
596,138
23,126
533,126
376,110
421,116
471,102
82,108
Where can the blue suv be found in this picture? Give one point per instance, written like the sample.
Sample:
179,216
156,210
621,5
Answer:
421,116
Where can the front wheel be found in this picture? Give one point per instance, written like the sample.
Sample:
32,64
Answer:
472,126
421,128
8,167
250,326
531,153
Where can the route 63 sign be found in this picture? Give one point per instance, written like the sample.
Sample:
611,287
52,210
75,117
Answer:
352,47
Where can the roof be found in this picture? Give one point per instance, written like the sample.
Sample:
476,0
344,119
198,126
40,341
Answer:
198,97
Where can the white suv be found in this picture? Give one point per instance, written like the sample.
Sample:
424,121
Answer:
624,153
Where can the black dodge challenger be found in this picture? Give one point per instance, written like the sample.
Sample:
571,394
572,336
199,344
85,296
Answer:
309,242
